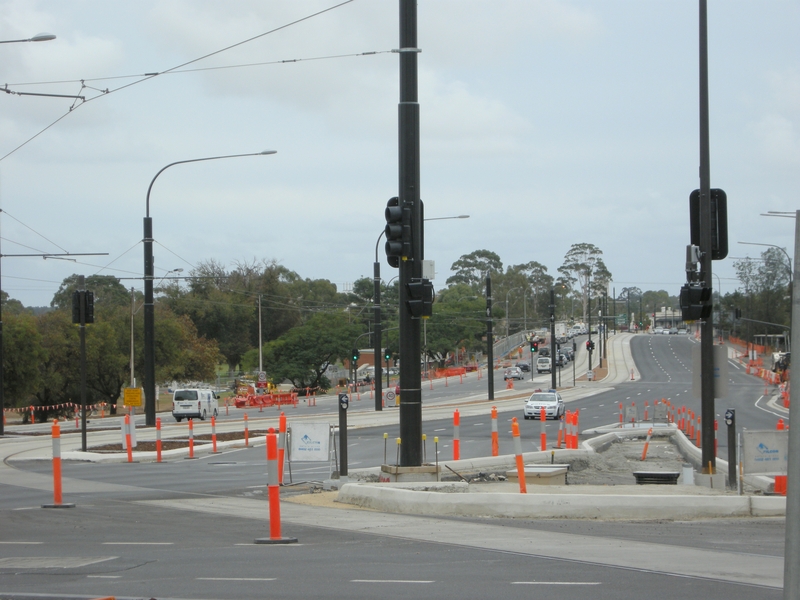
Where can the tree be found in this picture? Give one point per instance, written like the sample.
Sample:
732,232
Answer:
583,264
532,276
22,355
108,291
304,353
767,293
458,323
471,268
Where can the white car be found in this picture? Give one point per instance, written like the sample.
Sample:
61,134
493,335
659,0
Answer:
551,401
194,404
543,363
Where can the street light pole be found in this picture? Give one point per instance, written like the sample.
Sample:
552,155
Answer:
788,258
378,340
149,306
507,293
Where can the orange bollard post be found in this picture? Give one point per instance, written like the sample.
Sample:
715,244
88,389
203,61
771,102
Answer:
281,445
698,433
523,489
246,432
158,439
57,503
495,435
560,431
456,437
445,381
716,444
543,432
781,425
647,443
575,418
213,434
191,438
274,494
568,430
102,410
621,416
128,446
226,407
646,413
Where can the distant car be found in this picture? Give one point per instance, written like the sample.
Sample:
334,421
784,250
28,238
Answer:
681,331
523,366
512,373
658,330
665,331
544,351
673,331
551,401
560,359
566,353
543,364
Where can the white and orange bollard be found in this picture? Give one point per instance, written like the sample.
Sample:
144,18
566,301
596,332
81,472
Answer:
128,442
495,434
281,445
543,431
191,438
523,489
158,439
246,432
646,413
213,435
647,443
621,415
456,436
274,494
560,438
57,503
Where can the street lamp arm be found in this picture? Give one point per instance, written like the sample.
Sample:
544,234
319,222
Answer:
377,243
41,37
192,160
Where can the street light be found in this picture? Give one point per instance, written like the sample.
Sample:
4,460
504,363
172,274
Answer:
40,37
149,306
376,305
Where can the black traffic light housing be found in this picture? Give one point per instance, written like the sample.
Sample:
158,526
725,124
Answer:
398,232
534,347
387,355
420,298
695,302
88,300
355,355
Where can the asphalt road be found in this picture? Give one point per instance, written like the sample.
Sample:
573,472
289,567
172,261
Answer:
138,537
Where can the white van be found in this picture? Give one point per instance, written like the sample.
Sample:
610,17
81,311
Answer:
194,404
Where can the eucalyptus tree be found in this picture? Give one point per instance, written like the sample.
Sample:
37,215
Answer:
583,265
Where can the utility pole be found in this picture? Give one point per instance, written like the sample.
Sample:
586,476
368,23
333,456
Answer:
553,344
409,198
377,347
707,325
490,337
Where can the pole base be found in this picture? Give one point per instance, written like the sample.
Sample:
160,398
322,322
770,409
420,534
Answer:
68,505
281,540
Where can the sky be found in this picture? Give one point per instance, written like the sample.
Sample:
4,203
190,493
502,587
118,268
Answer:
549,122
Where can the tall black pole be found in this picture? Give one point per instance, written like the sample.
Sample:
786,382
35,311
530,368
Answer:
82,333
589,327
378,348
409,195
490,337
149,325
707,326
553,344
2,370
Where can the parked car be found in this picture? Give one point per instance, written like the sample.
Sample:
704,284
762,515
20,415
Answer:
512,373
543,363
523,366
673,331
566,353
551,401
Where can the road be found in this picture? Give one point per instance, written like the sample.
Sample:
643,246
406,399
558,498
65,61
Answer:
147,530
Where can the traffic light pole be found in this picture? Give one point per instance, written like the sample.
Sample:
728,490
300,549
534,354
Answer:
553,345
411,266
707,325
378,346
490,337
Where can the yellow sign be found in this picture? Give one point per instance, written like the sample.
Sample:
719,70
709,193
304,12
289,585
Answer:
133,396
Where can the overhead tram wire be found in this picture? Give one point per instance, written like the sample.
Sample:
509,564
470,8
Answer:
148,76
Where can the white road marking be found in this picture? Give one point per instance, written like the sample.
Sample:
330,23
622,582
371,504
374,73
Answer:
391,581
235,578
104,576
138,543
31,543
555,583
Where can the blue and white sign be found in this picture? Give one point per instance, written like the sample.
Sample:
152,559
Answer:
765,452
310,442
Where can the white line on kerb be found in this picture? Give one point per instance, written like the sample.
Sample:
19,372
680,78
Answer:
555,583
104,576
137,543
390,581
236,578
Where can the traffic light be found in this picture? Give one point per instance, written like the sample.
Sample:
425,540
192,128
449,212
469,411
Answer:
355,354
534,347
592,345
88,315
88,300
695,302
420,298
398,232
387,355
588,345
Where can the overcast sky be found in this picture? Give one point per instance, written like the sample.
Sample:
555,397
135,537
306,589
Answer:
548,122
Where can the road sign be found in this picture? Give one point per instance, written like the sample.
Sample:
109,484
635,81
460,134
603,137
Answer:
262,376
132,397
620,319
